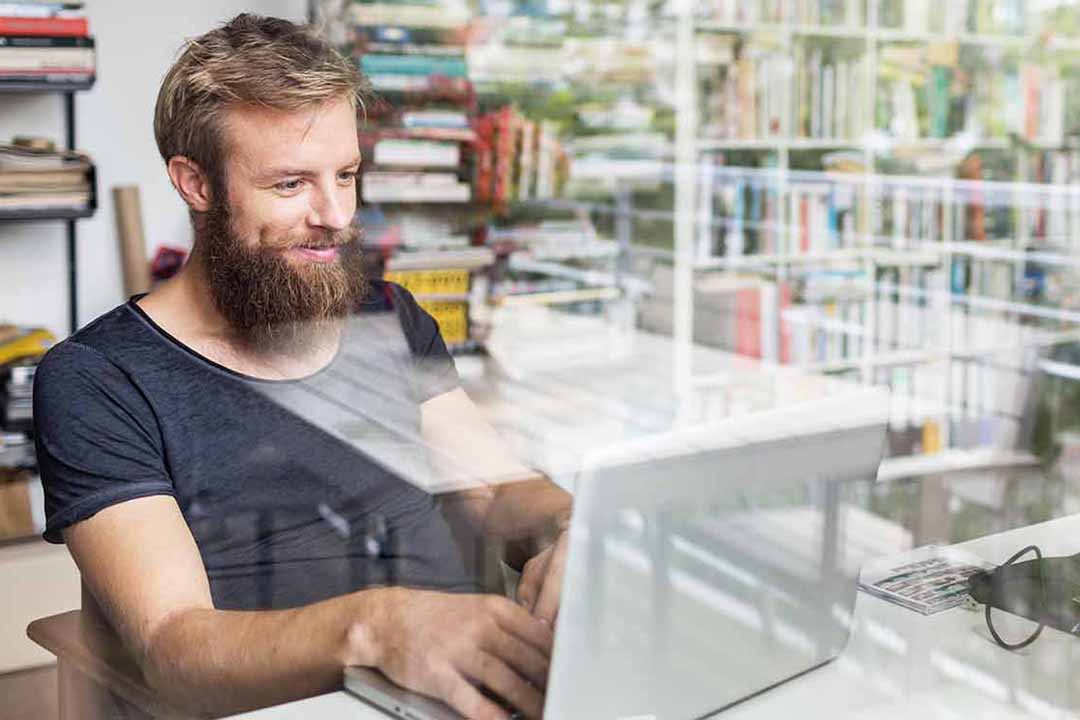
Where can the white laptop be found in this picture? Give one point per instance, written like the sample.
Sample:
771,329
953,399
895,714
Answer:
704,566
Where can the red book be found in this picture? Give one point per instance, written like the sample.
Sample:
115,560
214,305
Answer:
48,27
748,321
783,354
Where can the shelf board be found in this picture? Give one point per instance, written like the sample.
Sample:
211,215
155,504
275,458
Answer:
39,87
890,145
926,256
881,34
44,215
558,297
470,259
779,144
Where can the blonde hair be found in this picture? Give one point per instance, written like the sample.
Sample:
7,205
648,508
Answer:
250,60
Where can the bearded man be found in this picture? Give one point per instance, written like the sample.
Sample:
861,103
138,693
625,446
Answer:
236,459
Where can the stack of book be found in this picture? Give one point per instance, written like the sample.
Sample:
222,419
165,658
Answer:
43,180
746,89
45,43
517,159
829,92
416,144
744,11
16,410
20,351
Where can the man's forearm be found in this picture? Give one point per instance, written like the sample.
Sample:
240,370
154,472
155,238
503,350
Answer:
221,662
534,509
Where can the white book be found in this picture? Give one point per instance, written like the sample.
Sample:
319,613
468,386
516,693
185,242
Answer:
1054,117
40,58
900,218
955,21
527,161
853,13
434,118
425,179
545,163
769,319
917,15
905,119
417,153
460,193
828,100
841,118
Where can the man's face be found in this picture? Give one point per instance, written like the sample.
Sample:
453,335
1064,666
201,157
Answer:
281,252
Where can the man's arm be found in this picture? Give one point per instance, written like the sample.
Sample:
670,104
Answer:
143,567
509,502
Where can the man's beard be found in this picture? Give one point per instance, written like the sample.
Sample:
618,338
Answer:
270,304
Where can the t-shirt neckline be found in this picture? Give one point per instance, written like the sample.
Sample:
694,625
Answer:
133,305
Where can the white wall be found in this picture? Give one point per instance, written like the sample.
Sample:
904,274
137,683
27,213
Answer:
136,42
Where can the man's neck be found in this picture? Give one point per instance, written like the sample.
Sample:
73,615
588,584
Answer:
184,308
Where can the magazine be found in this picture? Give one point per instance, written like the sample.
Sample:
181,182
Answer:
928,580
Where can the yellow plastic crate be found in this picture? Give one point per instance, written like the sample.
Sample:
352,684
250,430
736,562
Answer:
431,282
453,320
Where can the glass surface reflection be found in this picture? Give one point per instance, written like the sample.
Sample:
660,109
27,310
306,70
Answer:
710,567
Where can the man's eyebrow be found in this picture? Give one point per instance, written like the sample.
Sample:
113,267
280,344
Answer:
275,172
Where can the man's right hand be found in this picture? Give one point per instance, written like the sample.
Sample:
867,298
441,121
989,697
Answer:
447,646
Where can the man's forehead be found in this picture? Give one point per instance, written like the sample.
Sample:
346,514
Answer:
256,136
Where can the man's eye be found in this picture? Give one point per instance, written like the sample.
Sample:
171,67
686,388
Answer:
289,184
348,176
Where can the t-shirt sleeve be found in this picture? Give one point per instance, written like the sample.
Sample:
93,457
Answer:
97,438
435,370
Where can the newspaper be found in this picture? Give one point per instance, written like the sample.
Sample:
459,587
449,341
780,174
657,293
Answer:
927,580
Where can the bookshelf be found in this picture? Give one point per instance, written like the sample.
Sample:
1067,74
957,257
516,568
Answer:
68,217
937,193
502,72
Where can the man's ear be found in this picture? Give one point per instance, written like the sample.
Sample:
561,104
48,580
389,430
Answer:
191,182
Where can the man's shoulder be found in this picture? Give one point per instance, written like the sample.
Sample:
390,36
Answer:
111,339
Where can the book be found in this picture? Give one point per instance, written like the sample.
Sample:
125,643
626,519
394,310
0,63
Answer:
440,86
73,200
434,119
31,41
400,36
422,65
416,187
928,580
38,9
18,158
430,133
51,26
417,153
35,78
48,59
414,16
11,182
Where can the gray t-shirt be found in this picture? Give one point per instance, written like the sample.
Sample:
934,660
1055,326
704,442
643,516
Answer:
295,491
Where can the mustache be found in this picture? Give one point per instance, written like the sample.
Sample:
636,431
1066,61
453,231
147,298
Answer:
319,241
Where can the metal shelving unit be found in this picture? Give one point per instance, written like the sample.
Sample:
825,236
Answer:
69,217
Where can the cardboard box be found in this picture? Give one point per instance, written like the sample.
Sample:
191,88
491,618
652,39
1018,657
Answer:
16,518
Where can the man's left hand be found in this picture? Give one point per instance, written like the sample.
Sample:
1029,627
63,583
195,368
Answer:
541,581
